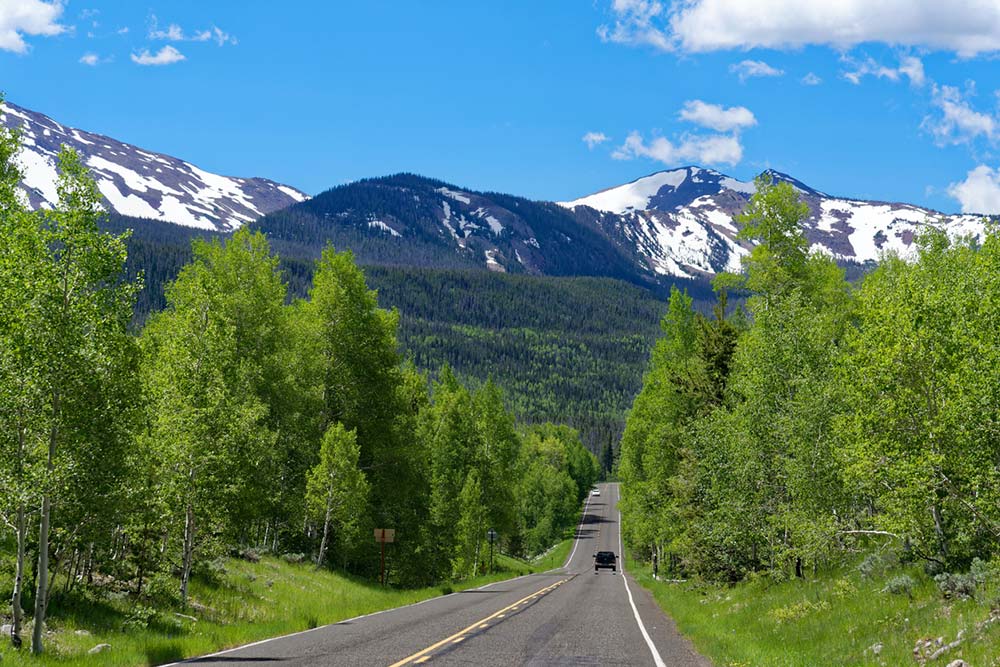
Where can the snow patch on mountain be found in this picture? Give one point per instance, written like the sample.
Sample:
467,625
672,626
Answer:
683,222
140,183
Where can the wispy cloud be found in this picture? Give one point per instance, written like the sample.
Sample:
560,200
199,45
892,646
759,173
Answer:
965,27
716,117
753,68
594,138
700,149
635,24
909,66
811,79
174,33
165,56
28,17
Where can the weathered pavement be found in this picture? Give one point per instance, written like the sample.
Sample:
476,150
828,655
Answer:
567,616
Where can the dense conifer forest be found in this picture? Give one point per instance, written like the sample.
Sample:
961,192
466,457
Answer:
564,349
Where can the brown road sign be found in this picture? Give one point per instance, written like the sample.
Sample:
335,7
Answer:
385,535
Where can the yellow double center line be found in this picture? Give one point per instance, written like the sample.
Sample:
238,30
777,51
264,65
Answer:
424,656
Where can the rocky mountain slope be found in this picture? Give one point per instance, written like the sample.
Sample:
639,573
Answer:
408,220
682,222
141,183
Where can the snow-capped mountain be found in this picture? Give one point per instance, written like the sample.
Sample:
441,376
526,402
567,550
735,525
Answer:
140,183
681,222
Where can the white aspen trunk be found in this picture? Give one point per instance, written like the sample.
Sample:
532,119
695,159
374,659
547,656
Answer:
42,591
15,603
188,556
326,535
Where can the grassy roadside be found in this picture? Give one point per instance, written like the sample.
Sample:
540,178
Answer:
837,618
245,603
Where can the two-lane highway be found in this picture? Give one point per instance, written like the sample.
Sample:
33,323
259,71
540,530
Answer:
567,616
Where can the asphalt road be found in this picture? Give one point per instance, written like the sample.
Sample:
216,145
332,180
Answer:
567,616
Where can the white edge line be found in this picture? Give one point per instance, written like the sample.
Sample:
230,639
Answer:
657,660
576,543
358,618
330,625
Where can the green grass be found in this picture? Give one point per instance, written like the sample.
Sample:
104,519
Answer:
832,619
248,602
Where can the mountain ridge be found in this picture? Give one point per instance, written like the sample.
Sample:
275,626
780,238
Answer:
672,224
137,182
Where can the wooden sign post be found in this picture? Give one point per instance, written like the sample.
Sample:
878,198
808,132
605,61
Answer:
383,535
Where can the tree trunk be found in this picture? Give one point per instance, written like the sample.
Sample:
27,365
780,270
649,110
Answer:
90,563
42,591
326,536
939,530
22,529
188,556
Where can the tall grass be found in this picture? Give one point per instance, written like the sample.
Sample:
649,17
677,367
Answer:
837,618
244,603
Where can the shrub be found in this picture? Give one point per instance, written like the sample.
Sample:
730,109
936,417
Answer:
843,588
139,618
900,585
796,611
293,558
163,589
964,586
249,554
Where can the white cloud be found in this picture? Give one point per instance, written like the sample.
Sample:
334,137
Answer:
716,117
909,66
752,68
634,24
712,149
811,79
165,56
91,59
174,33
913,68
27,17
979,192
594,138
958,122
966,27
123,31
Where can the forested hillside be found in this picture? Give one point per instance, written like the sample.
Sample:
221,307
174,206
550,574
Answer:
831,421
236,420
569,350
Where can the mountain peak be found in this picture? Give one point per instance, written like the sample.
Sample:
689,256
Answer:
663,190
140,183
780,177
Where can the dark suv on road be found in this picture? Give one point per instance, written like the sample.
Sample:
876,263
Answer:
605,559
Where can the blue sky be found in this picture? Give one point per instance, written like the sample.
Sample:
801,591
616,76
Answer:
896,102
